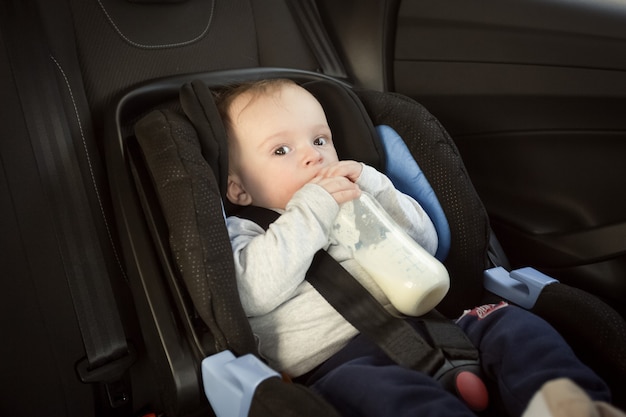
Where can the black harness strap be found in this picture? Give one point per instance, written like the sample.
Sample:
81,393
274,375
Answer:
393,335
200,108
448,336
310,22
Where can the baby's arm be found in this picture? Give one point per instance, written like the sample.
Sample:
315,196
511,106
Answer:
272,264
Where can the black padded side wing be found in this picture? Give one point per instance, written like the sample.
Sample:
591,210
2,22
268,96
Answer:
191,203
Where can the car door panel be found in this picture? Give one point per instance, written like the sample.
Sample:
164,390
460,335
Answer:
534,94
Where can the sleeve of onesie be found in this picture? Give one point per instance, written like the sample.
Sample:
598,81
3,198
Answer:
402,208
270,265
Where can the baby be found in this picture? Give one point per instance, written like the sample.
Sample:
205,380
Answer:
282,157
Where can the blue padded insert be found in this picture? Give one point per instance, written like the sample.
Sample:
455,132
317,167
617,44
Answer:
408,177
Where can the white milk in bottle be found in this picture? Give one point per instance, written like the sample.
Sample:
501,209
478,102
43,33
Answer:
413,280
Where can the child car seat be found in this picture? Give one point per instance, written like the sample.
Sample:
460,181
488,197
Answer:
223,324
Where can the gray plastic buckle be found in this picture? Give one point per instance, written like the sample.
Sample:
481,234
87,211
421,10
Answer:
521,286
230,382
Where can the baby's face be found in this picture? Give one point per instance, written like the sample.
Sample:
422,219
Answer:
281,141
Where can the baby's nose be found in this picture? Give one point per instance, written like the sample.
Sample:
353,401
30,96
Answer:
313,156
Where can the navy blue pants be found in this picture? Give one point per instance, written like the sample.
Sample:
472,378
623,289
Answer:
518,351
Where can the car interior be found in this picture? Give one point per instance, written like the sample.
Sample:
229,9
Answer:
100,317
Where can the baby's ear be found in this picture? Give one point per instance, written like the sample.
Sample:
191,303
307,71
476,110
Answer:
236,193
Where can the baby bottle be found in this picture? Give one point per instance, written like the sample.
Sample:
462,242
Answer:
413,280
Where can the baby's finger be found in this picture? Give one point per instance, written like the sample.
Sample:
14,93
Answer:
349,169
344,196
341,188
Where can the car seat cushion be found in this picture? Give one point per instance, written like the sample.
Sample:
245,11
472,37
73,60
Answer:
408,177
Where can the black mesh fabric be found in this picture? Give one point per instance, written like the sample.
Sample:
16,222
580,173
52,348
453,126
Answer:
595,330
275,398
437,155
191,205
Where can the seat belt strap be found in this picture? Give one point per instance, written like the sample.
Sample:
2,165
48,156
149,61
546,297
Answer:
57,156
395,336
307,15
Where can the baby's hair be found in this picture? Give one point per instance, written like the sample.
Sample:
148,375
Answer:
225,96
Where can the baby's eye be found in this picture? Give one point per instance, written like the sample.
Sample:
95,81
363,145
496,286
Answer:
321,141
282,150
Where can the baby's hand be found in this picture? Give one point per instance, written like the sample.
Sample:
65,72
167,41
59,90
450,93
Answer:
339,180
